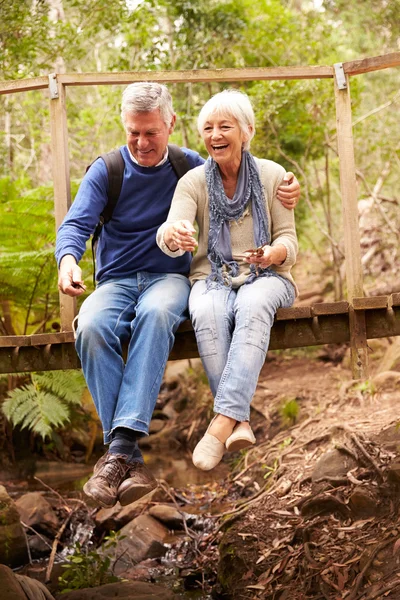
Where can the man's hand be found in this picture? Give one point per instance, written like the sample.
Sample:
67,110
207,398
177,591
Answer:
70,277
289,191
179,236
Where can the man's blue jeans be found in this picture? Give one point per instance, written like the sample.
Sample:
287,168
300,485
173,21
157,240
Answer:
232,329
142,311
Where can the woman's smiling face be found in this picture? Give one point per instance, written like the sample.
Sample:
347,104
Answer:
223,139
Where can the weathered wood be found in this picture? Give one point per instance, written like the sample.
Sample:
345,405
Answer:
330,308
395,299
296,312
354,67
61,182
370,302
23,85
199,75
26,359
348,189
374,63
53,351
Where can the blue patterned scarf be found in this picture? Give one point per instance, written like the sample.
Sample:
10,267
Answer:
223,211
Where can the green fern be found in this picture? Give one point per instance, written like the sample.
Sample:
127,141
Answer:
45,403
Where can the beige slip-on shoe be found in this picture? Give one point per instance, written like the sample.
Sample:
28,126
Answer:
241,437
208,452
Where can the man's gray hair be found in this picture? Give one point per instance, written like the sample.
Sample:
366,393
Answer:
145,97
230,103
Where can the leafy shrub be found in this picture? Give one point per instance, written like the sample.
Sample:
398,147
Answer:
87,569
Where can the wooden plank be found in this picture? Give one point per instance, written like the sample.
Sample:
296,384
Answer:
329,308
12,341
292,333
348,189
199,75
381,323
396,299
296,312
41,339
62,188
370,302
23,85
32,358
374,63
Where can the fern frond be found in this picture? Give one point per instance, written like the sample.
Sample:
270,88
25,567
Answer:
35,408
68,385
19,404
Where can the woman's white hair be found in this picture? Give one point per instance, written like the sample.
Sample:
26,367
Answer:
230,103
142,97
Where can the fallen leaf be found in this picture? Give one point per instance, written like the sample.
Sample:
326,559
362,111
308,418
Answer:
257,586
396,546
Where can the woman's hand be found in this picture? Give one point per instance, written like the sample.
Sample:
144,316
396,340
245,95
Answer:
272,255
179,236
289,191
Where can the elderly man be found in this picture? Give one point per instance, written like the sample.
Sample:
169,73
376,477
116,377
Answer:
141,294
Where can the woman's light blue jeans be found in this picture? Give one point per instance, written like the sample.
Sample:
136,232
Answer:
232,329
142,311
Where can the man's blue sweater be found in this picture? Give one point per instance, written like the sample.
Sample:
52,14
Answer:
127,242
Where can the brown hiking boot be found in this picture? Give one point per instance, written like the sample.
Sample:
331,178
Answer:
139,482
108,474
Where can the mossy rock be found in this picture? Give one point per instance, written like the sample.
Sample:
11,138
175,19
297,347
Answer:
13,551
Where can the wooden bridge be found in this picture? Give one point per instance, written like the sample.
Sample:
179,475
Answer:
355,320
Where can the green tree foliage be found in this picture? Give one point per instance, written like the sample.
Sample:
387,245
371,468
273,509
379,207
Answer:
295,119
45,403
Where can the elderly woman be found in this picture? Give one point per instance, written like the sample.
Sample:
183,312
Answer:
240,273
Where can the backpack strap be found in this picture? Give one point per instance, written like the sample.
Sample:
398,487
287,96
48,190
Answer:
178,160
115,171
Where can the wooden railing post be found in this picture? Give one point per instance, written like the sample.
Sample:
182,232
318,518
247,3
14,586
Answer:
62,189
348,189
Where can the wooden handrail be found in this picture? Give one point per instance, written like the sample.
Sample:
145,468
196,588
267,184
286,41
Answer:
352,67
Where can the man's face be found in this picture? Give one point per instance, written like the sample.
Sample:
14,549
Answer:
147,136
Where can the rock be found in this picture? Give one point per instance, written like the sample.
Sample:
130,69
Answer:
156,425
333,464
20,587
167,514
9,585
39,546
147,570
13,550
393,473
362,503
175,369
134,590
143,538
387,381
118,516
36,512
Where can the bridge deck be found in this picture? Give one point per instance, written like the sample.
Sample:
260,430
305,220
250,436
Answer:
323,323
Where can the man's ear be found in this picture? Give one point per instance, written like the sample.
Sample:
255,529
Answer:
172,126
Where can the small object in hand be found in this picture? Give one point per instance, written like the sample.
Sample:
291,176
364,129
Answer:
255,252
79,286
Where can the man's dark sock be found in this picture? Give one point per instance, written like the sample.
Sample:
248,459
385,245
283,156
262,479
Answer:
125,441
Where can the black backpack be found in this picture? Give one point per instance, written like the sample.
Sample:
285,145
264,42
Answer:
115,170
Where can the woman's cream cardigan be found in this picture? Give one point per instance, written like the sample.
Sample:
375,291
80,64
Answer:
190,202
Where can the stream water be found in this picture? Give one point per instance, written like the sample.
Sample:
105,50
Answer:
68,479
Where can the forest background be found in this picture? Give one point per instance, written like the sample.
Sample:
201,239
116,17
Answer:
295,123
